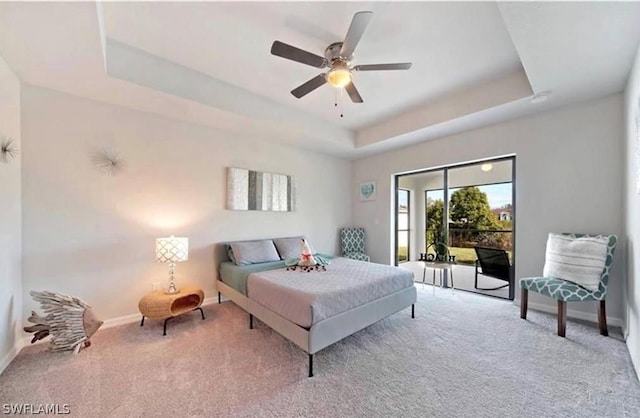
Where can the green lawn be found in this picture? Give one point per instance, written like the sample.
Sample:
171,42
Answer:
463,255
468,255
402,254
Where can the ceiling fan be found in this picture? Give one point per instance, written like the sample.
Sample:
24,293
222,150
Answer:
337,57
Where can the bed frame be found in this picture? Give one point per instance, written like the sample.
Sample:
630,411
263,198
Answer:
328,331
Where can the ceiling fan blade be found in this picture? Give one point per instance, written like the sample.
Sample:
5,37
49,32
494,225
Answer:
356,29
309,86
383,67
352,91
296,54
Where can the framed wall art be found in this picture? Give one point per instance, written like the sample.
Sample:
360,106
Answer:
367,191
257,190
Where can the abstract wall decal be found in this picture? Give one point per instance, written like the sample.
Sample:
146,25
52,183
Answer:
256,190
8,150
108,162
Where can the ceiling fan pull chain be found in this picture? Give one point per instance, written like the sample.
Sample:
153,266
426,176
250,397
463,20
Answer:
339,92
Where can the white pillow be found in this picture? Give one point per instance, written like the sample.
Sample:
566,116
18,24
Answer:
578,260
290,247
251,252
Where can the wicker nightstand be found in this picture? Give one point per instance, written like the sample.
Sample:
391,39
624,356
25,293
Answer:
160,305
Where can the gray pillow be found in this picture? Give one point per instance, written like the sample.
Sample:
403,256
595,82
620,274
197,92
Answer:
251,252
290,247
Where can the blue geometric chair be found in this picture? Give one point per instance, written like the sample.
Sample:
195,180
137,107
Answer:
564,291
352,243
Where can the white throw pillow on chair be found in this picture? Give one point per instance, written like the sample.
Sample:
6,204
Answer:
578,260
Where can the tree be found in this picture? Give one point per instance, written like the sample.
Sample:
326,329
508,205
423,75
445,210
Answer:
435,238
469,209
435,209
469,212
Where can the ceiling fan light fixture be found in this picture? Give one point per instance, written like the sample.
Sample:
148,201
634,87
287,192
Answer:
339,77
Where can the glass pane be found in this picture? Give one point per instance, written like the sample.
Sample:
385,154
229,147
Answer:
434,204
403,245
403,200
480,209
431,184
403,221
404,224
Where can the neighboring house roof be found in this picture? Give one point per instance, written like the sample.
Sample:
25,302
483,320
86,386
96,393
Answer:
498,211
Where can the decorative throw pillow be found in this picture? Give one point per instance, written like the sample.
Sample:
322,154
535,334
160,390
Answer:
290,247
578,260
251,252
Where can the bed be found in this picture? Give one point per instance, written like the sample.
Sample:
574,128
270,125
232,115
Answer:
318,308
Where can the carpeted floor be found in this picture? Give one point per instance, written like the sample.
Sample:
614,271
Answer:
463,355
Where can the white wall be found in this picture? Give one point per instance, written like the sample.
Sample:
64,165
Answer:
568,178
10,220
92,235
632,212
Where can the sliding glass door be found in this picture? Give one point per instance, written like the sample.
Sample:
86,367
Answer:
458,209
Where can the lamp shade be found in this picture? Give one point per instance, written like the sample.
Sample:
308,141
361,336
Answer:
172,249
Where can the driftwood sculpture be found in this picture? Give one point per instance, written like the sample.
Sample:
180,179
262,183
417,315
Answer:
68,320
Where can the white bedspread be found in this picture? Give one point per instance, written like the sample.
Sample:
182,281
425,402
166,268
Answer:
309,297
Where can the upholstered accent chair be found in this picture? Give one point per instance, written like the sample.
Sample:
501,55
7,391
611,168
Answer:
564,291
352,243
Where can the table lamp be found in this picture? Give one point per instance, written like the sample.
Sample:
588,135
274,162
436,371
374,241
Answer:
172,250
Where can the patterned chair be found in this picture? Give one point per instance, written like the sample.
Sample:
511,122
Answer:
352,243
564,291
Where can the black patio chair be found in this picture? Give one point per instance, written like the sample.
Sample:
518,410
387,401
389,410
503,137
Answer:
493,262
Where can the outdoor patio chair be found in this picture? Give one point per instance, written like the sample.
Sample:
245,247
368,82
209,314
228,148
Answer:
565,291
493,262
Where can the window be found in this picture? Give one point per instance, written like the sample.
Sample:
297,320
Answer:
404,215
479,215
434,204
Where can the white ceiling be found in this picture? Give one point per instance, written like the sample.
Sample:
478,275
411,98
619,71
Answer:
209,63
231,42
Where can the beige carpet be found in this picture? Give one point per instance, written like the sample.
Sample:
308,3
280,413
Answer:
463,356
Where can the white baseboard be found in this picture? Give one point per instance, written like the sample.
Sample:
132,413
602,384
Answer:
128,319
110,323
8,358
585,316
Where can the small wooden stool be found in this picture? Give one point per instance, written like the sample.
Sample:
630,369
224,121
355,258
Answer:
160,305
